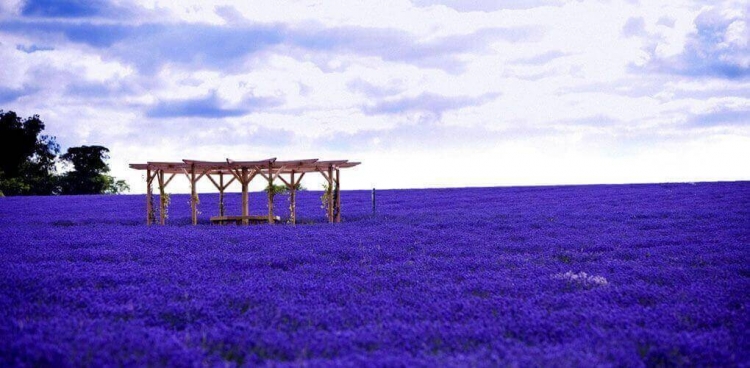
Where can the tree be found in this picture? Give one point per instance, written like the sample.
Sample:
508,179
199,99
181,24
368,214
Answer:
27,159
28,162
275,189
88,160
281,189
89,174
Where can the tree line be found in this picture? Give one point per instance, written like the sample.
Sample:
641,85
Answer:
30,161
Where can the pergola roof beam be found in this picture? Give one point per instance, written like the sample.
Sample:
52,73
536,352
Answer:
250,164
220,167
244,172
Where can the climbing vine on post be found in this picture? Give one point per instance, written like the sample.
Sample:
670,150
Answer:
325,198
165,201
243,172
151,212
197,200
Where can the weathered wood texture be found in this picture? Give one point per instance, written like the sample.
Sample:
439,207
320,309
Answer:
149,197
330,193
243,172
270,193
337,198
238,219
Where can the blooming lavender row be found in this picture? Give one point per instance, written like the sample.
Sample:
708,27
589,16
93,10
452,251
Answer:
626,275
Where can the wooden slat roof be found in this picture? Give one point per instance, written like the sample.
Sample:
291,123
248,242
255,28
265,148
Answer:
348,164
204,163
224,167
294,163
250,164
331,162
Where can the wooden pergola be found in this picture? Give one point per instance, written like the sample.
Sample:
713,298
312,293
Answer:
243,172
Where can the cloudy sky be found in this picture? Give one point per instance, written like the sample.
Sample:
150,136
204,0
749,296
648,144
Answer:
426,93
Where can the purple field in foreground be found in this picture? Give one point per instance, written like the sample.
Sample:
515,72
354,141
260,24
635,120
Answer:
626,275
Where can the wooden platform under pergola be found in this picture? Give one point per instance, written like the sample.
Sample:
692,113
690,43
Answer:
243,172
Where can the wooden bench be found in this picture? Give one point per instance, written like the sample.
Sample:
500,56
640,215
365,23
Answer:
223,220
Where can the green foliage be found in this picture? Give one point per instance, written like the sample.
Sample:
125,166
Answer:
117,187
324,198
28,162
18,141
275,189
88,159
27,159
152,212
14,186
74,182
281,189
165,201
197,200
89,175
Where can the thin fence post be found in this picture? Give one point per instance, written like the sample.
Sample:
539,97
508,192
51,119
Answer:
373,201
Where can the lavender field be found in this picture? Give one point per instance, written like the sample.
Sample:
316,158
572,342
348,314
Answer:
621,275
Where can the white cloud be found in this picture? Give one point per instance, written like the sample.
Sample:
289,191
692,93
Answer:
543,93
10,8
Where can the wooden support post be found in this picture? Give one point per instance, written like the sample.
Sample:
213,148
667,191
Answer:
244,172
270,193
149,196
245,199
337,202
292,185
193,196
330,193
162,200
221,194
293,201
